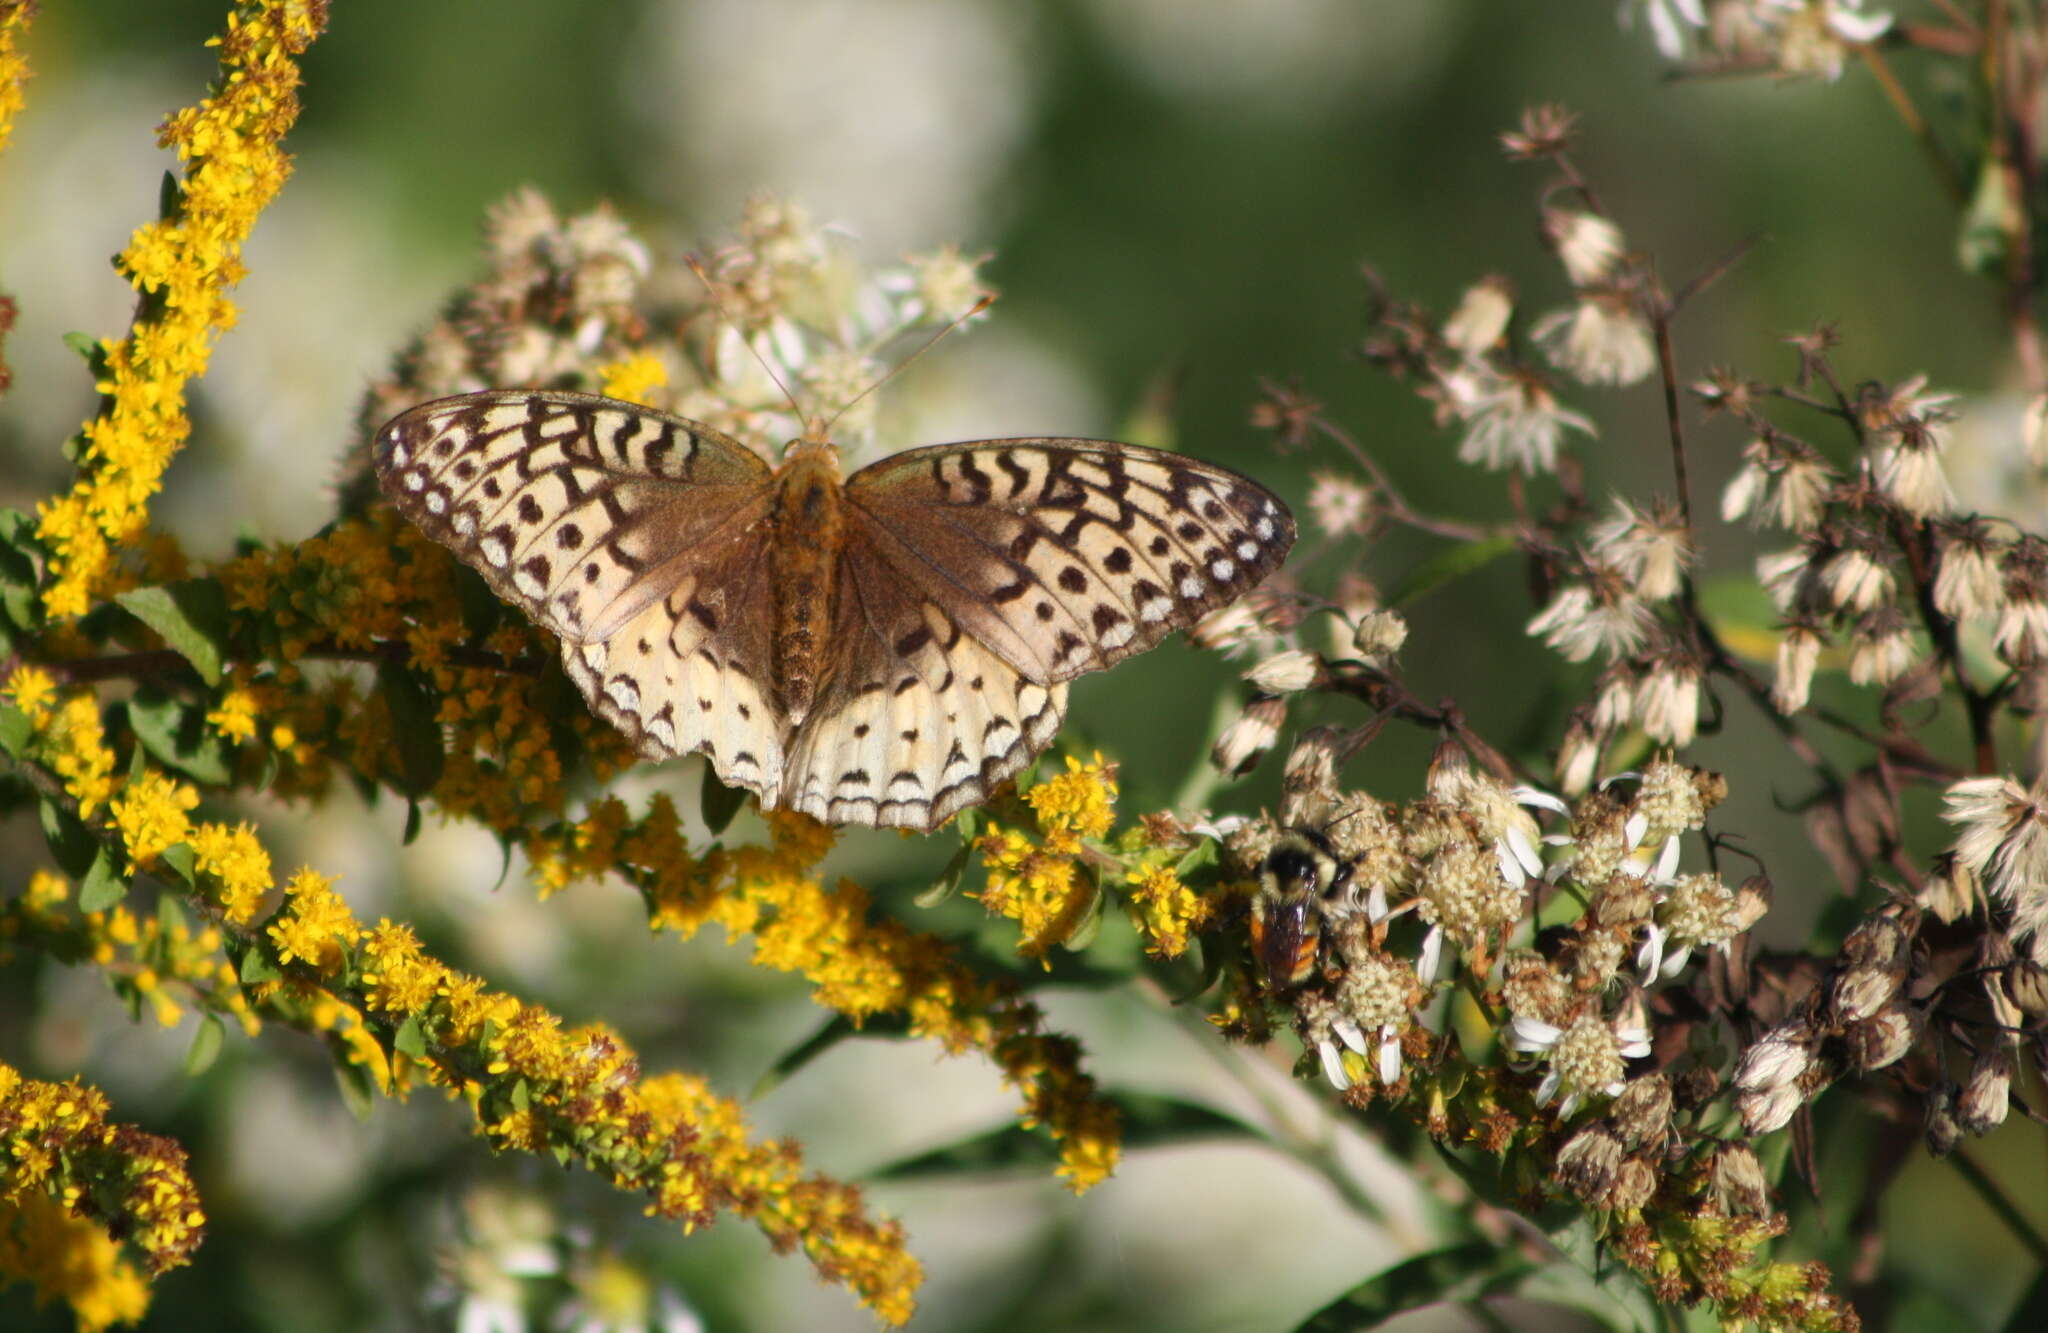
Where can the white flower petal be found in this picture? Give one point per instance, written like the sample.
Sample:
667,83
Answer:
1532,1034
1353,1035
1333,1064
1432,955
1390,1056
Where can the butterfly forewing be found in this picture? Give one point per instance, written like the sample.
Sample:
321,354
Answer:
632,535
969,583
1065,556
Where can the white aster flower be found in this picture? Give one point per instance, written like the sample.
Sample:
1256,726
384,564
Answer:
1587,1059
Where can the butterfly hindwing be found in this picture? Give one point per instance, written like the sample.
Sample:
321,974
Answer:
920,718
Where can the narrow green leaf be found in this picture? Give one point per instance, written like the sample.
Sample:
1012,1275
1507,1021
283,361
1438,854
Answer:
15,731
103,886
948,882
1452,1273
86,345
205,1048
828,1035
192,618
411,1038
718,803
1454,563
522,1096
415,729
1089,926
412,823
358,1094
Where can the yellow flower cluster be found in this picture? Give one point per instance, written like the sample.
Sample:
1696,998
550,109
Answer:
56,1143
634,378
857,966
183,266
1040,885
579,1091
69,1259
151,814
1163,908
14,16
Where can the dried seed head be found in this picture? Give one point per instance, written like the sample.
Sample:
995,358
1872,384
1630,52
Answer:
1859,993
1476,326
1379,636
1635,1184
1285,673
1752,901
1950,889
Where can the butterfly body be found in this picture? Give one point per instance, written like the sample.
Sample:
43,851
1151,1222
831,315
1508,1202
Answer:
807,531
883,649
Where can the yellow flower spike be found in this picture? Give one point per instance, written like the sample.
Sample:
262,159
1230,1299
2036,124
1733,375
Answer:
14,17
233,167
1165,910
237,861
33,691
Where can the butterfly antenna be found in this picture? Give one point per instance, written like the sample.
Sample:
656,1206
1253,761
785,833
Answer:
987,300
725,313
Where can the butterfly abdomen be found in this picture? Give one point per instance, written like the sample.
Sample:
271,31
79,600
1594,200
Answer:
803,556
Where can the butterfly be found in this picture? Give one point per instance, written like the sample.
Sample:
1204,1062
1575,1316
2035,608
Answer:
884,649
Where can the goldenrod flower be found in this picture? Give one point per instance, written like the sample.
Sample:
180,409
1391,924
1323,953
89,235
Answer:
150,814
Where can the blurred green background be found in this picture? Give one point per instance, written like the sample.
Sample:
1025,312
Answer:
1178,195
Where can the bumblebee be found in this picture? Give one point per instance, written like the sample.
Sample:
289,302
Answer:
1302,873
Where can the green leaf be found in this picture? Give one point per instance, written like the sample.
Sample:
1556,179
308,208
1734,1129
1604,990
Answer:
1453,1273
411,1038
103,886
182,861
718,803
1454,563
1089,926
15,730
414,729
1152,1120
948,882
169,198
192,618
19,600
358,1094
1005,1149
205,1048
175,732
86,345
2032,1312
831,1033
412,823
256,968
521,1096
71,843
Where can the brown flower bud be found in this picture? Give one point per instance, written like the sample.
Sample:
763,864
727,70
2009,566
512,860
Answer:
1752,900
1777,1059
1942,1131
1738,1182
1641,1114
2027,982
1985,1097
1587,1164
1634,1184
1246,740
1860,992
1876,1042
